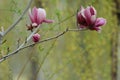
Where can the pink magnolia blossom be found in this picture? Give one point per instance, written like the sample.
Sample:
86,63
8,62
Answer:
86,18
36,37
38,16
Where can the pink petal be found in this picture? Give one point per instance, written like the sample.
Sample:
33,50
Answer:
34,13
34,24
92,10
81,8
81,18
82,12
100,22
87,15
93,19
41,15
90,14
31,16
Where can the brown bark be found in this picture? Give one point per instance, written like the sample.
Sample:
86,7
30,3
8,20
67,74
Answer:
114,42
117,2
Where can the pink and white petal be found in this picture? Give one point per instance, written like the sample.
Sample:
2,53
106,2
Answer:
34,13
81,8
87,15
82,12
81,19
92,10
31,16
87,12
34,24
100,22
41,15
93,19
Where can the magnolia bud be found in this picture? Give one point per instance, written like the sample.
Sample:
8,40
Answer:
36,37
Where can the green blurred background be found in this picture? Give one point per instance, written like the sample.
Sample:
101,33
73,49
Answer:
85,55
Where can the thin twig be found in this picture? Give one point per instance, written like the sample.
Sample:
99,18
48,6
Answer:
41,64
22,70
20,47
17,50
48,39
18,20
57,36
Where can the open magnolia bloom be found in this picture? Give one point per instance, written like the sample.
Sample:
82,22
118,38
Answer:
86,18
37,17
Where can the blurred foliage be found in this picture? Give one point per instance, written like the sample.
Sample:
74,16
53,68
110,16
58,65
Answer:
84,55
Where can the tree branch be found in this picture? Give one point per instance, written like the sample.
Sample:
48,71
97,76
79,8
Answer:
45,40
20,47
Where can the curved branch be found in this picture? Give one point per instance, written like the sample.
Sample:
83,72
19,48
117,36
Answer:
20,47
48,39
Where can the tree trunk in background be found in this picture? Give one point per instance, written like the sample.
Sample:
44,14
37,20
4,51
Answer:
118,9
114,42
115,46
34,62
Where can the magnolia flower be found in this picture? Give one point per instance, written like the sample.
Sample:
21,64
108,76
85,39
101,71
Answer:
86,18
36,37
38,16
